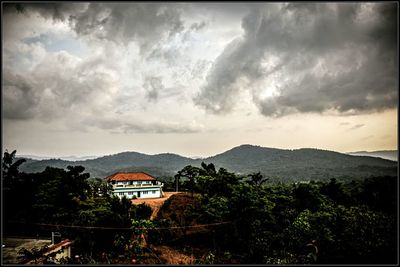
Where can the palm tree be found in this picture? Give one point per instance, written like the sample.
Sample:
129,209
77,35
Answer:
10,168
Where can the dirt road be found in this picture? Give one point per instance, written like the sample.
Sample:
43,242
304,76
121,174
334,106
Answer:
154,203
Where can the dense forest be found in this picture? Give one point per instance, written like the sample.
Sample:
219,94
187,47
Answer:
221,218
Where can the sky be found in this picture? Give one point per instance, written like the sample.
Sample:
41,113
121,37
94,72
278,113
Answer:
196,79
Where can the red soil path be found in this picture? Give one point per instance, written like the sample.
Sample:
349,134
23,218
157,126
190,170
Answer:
154,203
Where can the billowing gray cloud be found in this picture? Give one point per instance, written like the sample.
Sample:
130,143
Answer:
55,11
58,86
198,26
160,127
314,57
19,98
144,23
309,57
153,86
124,22
75,72
119,126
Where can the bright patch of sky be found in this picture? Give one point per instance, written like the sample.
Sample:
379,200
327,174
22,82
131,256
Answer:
54,43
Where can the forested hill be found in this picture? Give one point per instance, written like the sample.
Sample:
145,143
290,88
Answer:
301,164
280,164
158,165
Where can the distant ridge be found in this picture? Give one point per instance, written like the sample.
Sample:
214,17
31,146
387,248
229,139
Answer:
68,158
279,164
384,154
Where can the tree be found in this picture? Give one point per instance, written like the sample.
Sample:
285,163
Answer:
17,188
10,168
336,192
257,179
190,173
207,169
99,188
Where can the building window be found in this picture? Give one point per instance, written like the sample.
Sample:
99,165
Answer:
120,193
145,192
130,193
153,191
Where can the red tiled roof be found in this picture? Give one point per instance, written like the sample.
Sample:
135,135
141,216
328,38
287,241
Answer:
130,176
65,242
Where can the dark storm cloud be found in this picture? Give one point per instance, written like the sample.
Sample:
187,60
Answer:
56,11
329,57
145,23
317,56
237,61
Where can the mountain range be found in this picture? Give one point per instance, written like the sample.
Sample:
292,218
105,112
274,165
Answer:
278,164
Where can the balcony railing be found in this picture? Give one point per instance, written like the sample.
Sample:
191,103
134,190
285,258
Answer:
136,185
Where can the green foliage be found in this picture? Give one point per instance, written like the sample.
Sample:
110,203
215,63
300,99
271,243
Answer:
336,192
70,197
216,209
9,167
141,211
303,223
209,258
257,179
307,196
140,229
141,226
335,222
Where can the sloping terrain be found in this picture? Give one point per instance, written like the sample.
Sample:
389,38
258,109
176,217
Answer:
154,203
184,240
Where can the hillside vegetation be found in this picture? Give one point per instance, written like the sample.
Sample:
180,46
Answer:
278,164
221,217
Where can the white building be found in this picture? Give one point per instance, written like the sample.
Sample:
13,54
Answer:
139,184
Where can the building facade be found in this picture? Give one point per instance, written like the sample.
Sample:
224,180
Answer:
135,184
